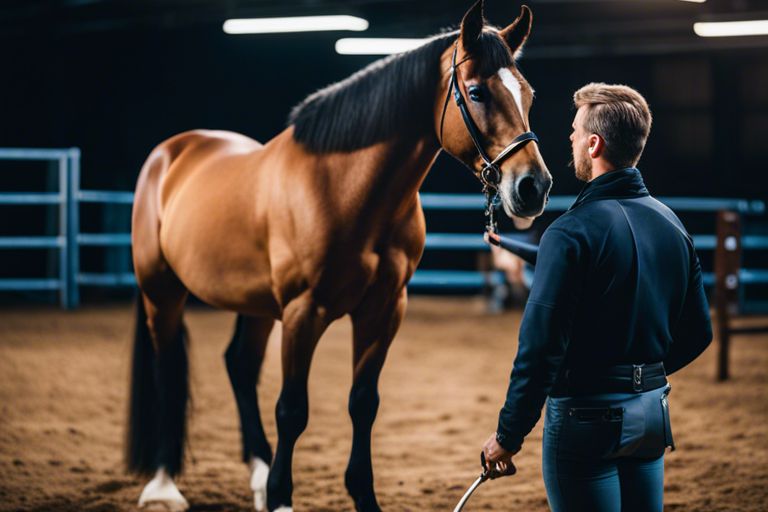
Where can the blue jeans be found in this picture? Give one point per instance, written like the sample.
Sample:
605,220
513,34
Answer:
605,453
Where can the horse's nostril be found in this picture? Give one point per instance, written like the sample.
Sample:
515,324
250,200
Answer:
527,189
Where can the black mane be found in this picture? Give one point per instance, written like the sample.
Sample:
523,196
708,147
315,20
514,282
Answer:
392,95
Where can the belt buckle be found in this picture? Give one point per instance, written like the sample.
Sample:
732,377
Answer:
637,377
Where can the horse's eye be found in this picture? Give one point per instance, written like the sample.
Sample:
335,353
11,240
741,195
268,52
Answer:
477,93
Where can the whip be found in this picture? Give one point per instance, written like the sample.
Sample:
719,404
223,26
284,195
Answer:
489,473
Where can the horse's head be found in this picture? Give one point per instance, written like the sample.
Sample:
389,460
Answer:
497,100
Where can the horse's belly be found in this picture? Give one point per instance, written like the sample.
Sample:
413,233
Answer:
230,285
224,273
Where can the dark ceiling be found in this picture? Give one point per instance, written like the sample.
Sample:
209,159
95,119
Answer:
563,27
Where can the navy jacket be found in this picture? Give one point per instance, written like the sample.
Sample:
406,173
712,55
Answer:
617,281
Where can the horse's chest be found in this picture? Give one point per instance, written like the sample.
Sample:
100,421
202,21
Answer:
344,282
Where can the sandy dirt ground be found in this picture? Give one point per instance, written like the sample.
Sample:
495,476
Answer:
63,394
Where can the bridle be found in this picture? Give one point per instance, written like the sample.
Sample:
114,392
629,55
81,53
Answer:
490,174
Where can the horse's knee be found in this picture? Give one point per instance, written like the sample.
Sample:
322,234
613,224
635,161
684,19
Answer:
237,369
363,404
231,361
292,413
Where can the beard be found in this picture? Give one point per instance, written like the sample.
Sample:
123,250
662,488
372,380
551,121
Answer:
582,164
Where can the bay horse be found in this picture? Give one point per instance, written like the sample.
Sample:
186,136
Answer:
322,221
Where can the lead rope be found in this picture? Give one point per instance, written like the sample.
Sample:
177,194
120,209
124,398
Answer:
489,473
492,201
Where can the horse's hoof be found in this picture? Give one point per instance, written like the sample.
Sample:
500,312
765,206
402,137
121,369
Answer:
164,506
259,475
368,504
162,495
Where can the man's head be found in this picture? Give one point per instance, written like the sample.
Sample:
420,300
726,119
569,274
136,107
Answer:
611,126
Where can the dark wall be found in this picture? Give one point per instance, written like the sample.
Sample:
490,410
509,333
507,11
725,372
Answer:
116,94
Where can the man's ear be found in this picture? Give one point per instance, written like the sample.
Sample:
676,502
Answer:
472,28
516,34
596,145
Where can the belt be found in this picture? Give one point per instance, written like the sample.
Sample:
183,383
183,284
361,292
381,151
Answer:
623,378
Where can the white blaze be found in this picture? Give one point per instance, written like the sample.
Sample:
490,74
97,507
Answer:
513,84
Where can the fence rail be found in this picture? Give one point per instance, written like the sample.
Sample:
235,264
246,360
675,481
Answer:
432,201
69,239
67,163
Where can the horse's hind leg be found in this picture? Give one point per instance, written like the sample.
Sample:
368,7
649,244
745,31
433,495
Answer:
303,324
244,358
373,331
159,394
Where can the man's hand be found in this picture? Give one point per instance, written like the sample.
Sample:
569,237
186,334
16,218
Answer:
491,238
498,459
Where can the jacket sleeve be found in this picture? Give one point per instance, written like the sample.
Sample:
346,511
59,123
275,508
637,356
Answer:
693,331
544,334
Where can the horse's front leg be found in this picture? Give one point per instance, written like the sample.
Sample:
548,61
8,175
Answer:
302,327
374,328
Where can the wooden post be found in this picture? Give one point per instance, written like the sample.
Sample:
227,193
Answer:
727,264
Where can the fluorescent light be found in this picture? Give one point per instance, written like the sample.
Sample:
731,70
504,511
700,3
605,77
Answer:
294,24
695,1
731,28
376,46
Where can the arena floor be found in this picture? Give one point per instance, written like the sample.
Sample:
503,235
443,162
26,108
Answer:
64,379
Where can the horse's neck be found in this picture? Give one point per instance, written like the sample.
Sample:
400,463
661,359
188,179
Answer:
385,177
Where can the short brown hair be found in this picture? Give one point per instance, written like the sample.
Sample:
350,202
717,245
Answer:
620,115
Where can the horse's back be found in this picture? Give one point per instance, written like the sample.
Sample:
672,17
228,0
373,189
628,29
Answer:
165,167
192,151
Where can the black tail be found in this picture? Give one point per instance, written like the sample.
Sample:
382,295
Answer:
159,384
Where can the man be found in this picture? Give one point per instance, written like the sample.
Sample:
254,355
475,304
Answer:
617,302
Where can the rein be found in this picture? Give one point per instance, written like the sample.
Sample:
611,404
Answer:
490,174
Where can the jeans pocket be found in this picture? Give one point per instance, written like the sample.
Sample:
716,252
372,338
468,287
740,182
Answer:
591,432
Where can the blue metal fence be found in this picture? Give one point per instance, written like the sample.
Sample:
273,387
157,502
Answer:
67,162
476,202
111,279
69,239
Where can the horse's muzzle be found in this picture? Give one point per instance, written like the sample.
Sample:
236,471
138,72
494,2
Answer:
529,194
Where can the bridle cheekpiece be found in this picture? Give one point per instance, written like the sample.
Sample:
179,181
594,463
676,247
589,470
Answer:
490,174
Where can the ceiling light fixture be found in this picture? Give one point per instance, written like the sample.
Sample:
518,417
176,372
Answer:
731,28
294,24
376,46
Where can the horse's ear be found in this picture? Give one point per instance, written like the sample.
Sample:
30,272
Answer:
517,32
472,27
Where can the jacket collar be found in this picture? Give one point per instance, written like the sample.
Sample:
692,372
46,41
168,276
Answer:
619,184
